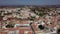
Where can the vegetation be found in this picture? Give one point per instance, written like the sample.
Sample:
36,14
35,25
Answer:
10,25
42,11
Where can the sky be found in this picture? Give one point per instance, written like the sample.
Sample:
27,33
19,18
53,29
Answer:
29,2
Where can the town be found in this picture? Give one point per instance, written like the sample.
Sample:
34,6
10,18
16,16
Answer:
29,20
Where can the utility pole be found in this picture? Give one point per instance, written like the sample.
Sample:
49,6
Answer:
32,28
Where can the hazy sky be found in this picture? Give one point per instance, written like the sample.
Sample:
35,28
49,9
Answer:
29,2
